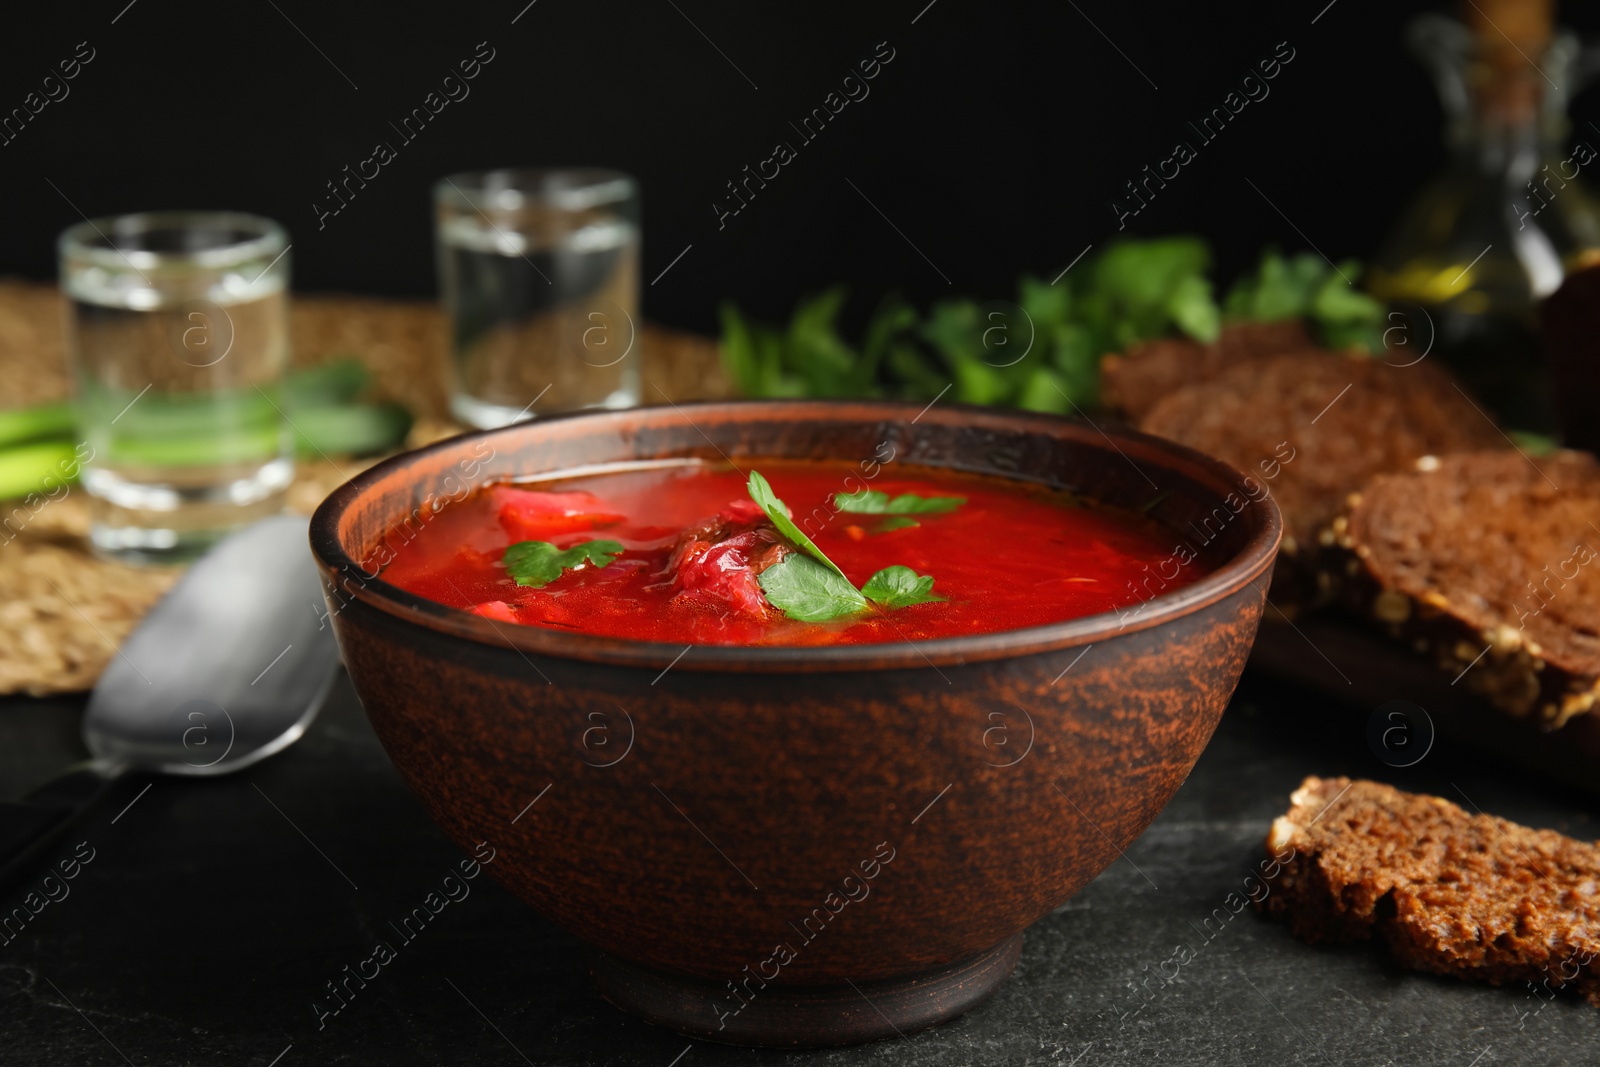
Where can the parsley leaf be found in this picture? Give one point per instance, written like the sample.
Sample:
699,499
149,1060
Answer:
810,587
875,502
538,563
761,492
898,587
804,589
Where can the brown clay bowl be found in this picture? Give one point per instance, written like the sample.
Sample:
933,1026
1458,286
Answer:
801,846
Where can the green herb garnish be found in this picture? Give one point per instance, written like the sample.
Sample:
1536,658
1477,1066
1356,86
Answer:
874,502
804,589
1039,348
1534,444
895,522
899,587
812,588
761,492
538,563
1307,286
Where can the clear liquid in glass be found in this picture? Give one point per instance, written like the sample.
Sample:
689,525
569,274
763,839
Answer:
541,309
178,392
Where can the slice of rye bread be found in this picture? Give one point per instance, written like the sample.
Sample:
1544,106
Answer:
1452,893
1134,380
1487,562
1315,427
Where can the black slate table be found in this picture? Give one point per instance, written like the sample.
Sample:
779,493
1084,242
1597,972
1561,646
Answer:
212,913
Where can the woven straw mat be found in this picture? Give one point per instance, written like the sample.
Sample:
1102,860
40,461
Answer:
63,610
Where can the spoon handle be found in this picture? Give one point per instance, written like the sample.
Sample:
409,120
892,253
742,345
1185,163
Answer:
29,827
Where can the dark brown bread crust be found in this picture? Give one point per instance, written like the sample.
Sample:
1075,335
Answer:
1490,560
1451,893
1133,381
1345,418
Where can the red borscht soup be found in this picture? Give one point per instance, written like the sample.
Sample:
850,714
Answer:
783,553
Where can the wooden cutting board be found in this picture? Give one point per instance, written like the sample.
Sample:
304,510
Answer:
1366,670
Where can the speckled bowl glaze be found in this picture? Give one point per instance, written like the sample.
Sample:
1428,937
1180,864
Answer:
801,846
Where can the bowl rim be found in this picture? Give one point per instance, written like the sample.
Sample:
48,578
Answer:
1244,568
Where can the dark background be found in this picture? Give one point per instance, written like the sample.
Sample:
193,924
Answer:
995,139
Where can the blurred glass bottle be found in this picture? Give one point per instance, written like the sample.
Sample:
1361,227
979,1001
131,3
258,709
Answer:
1497,231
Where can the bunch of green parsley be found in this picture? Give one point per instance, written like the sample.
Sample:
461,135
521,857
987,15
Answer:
1040,351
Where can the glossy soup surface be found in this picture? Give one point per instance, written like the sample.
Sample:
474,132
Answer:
1012,556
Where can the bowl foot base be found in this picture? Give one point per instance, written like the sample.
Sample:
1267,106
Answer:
806,1016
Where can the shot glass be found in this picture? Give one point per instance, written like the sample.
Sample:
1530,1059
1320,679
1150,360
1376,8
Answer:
539,275
178,337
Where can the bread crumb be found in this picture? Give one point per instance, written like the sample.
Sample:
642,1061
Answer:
1392,607
1505,639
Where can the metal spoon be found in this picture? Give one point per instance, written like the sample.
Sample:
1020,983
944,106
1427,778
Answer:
228,668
